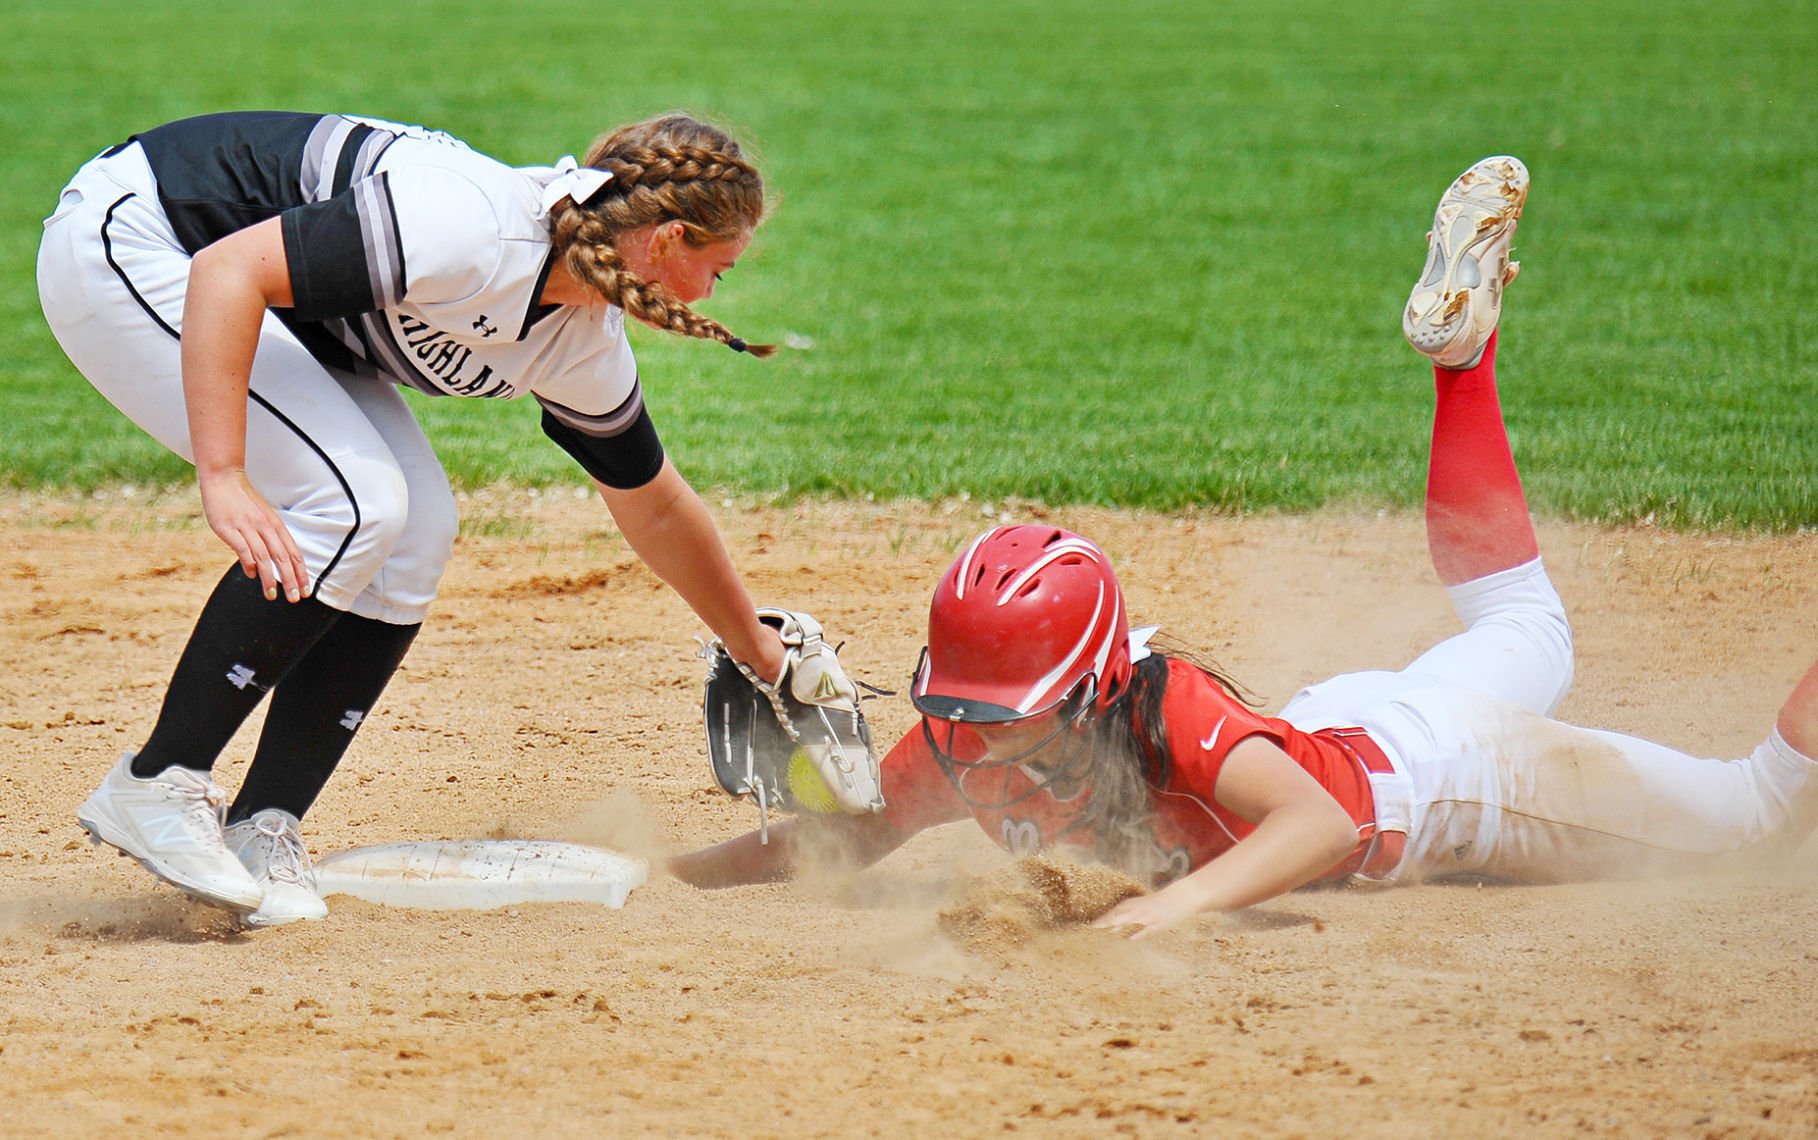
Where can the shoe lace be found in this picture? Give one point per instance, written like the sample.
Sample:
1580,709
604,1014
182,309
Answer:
204,807
286,859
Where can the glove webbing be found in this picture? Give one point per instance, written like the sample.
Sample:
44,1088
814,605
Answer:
774,695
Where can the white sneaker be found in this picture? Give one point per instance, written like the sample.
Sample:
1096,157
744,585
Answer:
1458,300
269,844
170,823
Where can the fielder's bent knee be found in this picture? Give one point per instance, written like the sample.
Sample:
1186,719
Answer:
348,527
407,583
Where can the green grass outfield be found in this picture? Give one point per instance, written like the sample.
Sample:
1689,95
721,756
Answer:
1148,254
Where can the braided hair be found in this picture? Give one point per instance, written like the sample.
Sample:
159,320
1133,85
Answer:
670,168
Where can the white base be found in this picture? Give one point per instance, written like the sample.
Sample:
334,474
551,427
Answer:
479,874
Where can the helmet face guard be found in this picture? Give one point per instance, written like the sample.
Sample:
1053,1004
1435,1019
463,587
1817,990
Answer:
1057,762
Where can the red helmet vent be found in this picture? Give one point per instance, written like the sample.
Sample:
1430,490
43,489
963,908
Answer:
1018,622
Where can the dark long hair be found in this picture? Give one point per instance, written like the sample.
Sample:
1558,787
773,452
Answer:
1129,760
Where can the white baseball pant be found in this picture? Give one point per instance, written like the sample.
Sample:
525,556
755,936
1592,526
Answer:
1489,785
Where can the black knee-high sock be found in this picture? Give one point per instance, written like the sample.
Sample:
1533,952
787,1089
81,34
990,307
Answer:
242,645
318,707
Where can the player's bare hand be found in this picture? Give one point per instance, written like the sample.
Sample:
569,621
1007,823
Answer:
1145,916
256,534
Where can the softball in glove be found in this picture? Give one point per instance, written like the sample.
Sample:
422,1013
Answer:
798,743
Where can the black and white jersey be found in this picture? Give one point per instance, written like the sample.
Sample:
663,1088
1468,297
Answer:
414,258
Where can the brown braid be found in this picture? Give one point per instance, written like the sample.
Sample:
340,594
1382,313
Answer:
670,168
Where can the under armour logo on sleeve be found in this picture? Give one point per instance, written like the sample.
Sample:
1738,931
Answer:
485,329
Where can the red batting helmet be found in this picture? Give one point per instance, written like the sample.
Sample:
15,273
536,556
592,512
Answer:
1028,618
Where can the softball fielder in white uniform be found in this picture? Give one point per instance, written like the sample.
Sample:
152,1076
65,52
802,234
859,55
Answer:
252,289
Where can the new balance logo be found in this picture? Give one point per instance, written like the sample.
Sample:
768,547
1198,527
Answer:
240,677
167,832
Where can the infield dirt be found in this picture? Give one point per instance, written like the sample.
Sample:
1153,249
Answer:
555,694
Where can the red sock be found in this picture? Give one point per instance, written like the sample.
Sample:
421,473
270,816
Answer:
1477,516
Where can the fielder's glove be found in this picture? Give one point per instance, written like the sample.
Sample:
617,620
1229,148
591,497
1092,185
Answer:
799,743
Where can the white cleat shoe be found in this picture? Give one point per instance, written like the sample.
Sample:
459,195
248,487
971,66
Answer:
1458,300
171,823
270,845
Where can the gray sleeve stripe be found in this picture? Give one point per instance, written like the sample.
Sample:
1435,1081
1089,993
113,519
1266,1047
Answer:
309,179
384,254
392,361
371,147
612,423
341,330
321,155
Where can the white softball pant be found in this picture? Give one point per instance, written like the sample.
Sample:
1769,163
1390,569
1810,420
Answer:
1488,785
339,456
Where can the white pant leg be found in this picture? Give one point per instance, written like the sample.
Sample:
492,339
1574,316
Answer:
1496,788
112,278
1517,643
1504,792
407,581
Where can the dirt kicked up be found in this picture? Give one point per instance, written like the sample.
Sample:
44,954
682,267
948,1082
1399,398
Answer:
554,694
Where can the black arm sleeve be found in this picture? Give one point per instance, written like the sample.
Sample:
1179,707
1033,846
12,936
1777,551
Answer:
332,246
625,460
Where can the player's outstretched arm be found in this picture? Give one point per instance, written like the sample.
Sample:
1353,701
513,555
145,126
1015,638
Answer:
669,527
834,842
1301,833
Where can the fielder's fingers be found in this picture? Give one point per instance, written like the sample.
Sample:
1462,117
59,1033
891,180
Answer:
300,575
286,573
1124,928
287,568
296,584
249,563
281,561
268,578
264,564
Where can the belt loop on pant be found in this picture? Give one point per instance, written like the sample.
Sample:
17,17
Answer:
1383,855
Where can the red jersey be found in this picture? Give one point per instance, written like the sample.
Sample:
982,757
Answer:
1190,828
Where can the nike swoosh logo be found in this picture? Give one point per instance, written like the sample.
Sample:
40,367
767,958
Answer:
1212,737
